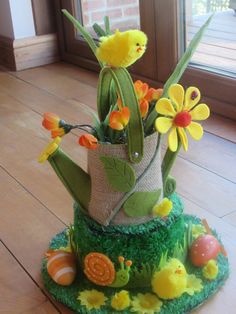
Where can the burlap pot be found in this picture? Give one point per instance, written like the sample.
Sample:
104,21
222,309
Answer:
104,199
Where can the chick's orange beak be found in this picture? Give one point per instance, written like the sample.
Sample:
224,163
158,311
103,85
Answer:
139,49
179,271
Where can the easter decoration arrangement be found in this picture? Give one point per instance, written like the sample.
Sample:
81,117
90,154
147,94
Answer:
130,248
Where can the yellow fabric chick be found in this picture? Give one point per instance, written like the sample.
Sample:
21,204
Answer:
122,48
163,209
210,270
171,281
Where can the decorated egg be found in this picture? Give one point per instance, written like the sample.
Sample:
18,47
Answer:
61,267
203,249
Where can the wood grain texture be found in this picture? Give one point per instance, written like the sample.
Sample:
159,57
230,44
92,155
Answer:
18,293
35,205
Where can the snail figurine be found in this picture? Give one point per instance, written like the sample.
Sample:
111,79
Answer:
99,269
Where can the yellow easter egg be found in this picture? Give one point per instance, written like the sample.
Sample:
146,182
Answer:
61,267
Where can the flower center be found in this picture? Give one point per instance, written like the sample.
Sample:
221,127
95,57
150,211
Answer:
182,119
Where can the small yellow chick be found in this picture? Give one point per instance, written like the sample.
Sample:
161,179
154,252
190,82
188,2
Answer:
122,48
171,281
163,209
210,270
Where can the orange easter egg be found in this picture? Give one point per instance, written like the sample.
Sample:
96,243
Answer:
61,267
203,249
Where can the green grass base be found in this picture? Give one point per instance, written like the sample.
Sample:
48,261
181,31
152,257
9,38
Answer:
143,244
184,304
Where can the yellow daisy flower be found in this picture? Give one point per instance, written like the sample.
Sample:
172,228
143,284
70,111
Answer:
194,284
179,112
49,149
147,303
163,209
92,299
210,271
120,300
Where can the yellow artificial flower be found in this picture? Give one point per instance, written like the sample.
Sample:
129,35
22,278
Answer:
92,299
49,149
163,209
179,112
210,270
198,230
194,284
147,303
120,300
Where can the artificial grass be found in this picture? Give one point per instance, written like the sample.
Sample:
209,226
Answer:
184,304
143,244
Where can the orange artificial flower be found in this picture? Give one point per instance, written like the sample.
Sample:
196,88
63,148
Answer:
153,94
146,95
58,132
89,141
141,89
51,121
119,119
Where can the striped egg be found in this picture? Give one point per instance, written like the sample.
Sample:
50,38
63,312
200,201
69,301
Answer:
61,267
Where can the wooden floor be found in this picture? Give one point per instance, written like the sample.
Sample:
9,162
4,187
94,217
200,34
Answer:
218,46
35,205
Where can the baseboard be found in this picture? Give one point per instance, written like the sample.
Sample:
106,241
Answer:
20,54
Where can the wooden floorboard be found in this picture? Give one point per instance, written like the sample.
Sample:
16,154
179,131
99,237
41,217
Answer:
35,205
218,45
18,293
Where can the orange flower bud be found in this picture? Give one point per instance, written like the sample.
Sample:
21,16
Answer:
154,94
143,106
50,120
58,132
141,89
89,141
119,119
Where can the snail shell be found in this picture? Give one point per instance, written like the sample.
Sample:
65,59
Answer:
61,267
99,269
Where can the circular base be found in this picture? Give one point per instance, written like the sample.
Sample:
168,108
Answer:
184,304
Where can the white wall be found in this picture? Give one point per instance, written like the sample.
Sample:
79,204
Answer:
22,18
6,27
16,19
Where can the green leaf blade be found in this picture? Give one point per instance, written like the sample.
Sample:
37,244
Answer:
179,70
140,204
120,174
98,30
86,35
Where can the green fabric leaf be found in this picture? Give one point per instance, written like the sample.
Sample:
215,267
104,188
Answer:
121,79
86,35
120,174
98,30
107,25
140,204
179,70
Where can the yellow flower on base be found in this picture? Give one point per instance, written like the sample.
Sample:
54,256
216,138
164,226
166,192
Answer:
194,284
210,271
198,230
147,303
163,209
179,112
49,150
92,299
120,300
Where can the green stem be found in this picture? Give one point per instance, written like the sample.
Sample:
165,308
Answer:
127,195
168,162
